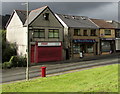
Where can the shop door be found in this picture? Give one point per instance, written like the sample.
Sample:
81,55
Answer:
49,54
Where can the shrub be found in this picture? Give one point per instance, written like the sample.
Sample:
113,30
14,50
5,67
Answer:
15,61
22,62
8,50
6,65
18,61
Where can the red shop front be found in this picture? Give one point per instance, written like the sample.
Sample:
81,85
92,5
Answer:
46,51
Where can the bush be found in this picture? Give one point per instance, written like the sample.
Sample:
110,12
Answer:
22,62
18,61
6,65
15,61
8,50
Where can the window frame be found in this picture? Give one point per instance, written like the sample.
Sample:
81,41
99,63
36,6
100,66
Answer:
117,33
107,32
38,31
78,32
91,32
85,34
53,32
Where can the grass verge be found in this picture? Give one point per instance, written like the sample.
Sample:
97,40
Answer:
100,79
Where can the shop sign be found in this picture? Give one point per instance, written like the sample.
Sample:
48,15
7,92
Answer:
49,43
84,40
108,39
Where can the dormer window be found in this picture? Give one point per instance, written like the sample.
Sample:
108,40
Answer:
46,16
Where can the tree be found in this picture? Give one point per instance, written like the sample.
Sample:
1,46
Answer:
8,49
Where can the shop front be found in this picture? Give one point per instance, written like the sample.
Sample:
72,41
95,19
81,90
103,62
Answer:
46,51
107,45
87,46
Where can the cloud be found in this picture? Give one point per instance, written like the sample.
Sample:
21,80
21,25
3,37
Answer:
103,10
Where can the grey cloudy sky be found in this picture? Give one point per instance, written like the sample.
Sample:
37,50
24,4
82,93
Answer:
100,10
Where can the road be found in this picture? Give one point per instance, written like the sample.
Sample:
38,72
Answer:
52,68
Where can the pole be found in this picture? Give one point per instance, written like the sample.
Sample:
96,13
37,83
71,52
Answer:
28,46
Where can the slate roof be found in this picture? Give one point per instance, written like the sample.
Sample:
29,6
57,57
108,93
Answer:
102,23
116,24
77,21
22,15
34,13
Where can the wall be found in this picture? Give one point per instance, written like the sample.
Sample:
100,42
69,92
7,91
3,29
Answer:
107,36
52,23
97,44
16,33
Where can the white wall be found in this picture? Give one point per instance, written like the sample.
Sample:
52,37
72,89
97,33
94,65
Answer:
16,33
117,43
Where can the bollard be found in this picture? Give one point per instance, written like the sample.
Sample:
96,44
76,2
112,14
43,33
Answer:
43,71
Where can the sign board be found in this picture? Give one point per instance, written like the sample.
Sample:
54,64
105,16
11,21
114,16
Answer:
49,43
108,39
84,40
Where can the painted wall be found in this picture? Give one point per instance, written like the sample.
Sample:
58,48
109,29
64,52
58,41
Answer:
102,33
117,41
16,33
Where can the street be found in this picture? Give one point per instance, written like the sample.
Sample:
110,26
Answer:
16,74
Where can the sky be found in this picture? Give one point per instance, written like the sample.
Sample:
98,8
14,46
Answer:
99,10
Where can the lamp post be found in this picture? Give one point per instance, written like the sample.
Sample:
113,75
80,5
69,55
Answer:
28,45
28,40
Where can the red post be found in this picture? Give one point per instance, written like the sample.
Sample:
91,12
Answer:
43,71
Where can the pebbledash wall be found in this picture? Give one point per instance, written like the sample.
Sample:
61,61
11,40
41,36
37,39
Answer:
16,33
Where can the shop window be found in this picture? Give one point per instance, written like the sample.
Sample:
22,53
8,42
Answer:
107,32
76,48
93,32
53,33
46,16
39,33
105,46
117,33
85,33
90,48
76,32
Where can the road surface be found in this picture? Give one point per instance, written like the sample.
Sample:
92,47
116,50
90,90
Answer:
16,74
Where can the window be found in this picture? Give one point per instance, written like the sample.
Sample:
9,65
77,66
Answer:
93,32
105,46
117,33
39,33
46,16
53,33
107,32
85,33
76,48
77,32
90,48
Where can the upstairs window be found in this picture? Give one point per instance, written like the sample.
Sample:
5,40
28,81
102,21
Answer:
117,33
107,32
39,33
93,32
77,32
53,33
46,16
85,33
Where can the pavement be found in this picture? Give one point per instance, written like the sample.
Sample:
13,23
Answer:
58,68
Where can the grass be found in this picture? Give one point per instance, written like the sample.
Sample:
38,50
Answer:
101,79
